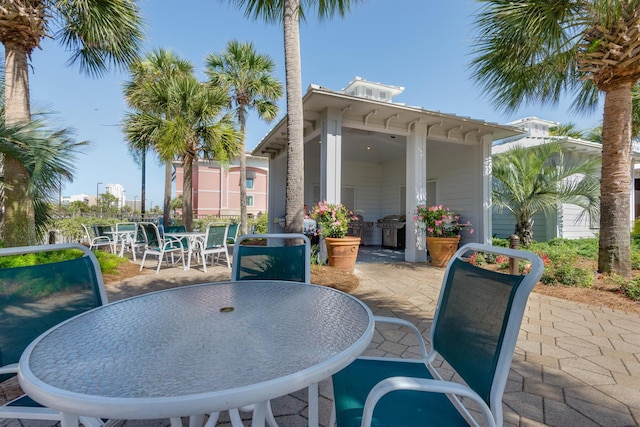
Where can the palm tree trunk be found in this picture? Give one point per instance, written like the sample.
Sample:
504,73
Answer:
187,191
166,204
19,219
294,199
243,174
615,182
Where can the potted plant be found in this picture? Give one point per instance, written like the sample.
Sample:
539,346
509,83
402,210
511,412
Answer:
332,222
442,227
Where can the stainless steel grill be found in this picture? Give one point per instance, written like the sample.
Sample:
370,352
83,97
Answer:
393,231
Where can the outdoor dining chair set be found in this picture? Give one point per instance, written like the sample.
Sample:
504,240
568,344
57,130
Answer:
474,330
150,240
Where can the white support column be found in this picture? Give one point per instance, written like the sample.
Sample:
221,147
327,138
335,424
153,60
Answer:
331,155
416,160
486,230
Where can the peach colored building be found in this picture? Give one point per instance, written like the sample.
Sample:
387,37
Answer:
216,189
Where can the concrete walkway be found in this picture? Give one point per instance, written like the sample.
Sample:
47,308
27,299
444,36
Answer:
575,365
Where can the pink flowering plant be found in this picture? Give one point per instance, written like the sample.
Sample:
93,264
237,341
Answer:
332,220
439,221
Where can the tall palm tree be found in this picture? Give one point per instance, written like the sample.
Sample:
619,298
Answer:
195,126
97,33
48,156
147,92
248,79
535,51
289,13
540,178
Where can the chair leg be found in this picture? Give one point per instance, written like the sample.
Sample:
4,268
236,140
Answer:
144,256
204,262
226,255
197,420
234,416
160,258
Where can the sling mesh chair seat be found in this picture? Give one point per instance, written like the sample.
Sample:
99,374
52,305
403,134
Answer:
34,298
268,257
474,329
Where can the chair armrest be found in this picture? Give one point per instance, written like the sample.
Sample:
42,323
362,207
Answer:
9,369
426,385
405,323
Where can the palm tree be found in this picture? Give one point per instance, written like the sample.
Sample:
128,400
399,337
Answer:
289,13
147,92
247,78
47,155
566,129
536,51
194,127
540,178
98,34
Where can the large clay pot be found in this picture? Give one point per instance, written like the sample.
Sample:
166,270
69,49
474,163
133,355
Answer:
342,251
441,249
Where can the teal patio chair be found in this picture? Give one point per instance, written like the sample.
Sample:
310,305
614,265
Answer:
232,233
474,329
214,244
103,231
157,246
96,241
267,257
34,298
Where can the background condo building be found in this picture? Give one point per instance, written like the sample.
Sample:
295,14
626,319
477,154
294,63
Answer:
216,187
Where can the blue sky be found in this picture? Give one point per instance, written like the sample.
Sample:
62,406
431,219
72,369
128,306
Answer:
421,45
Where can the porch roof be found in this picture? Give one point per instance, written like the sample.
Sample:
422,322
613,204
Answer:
376,116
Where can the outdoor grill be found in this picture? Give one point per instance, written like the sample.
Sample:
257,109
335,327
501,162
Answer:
393,231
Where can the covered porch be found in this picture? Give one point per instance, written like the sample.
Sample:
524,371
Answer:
382,158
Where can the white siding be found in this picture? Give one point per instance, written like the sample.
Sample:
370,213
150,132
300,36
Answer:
571,227
457,169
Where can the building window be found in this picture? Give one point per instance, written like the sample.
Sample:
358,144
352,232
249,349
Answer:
249,200
249,183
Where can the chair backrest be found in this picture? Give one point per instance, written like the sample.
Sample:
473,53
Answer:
478,317
149,233
125,226
232,232
178,229
99,230
33,298
216,236
269,257
87,234
174,228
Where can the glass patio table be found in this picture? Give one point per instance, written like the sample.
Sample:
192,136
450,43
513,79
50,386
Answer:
195,350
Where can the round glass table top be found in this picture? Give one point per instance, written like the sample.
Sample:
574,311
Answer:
247,340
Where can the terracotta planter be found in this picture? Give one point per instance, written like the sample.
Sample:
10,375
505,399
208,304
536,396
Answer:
342,251
441,249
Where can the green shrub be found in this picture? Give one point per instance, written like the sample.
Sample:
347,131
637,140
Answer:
38,258
262,224
632,289
109,262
